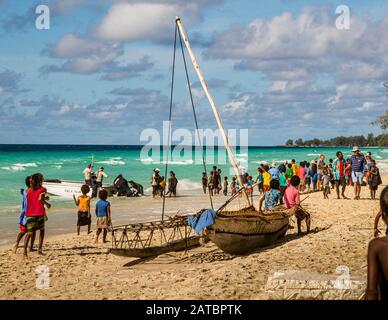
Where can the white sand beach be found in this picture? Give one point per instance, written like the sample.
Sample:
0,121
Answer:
79,269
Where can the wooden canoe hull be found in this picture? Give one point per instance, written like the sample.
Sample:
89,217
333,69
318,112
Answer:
172,246
238,244
250,225
241,234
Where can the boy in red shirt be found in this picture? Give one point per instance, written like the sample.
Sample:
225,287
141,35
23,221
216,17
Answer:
292,202
36,213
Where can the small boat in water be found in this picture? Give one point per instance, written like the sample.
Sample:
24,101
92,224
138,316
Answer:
68,188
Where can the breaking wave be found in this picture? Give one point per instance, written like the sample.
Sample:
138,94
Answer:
20,166
113,162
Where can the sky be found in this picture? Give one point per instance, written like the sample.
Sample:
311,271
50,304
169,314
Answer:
101,73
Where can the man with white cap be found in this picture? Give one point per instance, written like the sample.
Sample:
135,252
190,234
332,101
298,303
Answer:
357,164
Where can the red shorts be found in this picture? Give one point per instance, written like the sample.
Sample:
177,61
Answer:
22,228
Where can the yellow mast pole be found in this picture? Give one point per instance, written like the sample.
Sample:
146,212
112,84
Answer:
212,104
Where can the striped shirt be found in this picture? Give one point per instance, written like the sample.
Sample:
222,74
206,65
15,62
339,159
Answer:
357,163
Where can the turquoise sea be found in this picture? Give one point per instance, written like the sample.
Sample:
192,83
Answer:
67,162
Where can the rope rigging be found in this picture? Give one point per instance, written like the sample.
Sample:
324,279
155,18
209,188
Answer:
170,115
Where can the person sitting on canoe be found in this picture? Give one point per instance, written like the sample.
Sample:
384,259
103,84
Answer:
292,202
272,197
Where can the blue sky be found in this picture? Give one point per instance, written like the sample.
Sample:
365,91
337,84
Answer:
101,73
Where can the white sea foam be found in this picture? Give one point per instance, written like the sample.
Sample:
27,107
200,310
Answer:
183,185
260,161
31,164
146,160
58,166
281,161
113,162
383,166
20,166
187,184
172,162
313,154
241,155
184,162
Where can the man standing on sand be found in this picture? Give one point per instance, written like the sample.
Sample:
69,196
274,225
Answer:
320,167
88,175
339,174
357,163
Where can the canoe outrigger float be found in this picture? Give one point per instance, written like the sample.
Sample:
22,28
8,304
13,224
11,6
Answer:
234,231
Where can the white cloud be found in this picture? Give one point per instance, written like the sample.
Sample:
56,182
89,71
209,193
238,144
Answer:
74,46
368,105
126,21
151,20
63,109
299,47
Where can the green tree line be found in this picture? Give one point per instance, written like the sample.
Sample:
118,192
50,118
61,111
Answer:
362,141
369,141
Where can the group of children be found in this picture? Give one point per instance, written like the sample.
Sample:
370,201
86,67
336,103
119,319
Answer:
102,211
33,214
158,184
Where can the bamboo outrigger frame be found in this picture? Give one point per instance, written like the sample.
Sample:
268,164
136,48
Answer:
152,238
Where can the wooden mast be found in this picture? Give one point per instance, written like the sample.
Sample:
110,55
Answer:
212,104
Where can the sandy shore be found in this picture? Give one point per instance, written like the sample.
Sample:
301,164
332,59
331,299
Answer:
81,270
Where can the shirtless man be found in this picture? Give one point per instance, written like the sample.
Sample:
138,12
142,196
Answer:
377,286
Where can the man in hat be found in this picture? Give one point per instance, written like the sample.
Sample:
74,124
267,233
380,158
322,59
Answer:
357,164
100,177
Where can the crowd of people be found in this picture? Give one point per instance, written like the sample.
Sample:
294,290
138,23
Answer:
317,175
